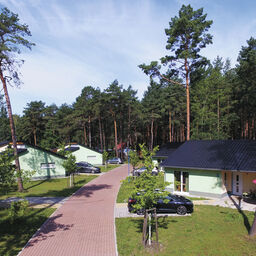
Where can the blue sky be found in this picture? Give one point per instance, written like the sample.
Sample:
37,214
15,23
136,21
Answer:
85,42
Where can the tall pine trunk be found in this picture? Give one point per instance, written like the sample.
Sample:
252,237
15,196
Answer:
85,136
90,134
129,125
152,134
115,137
14,142
218,115
188,99
170,126
101,140
34,133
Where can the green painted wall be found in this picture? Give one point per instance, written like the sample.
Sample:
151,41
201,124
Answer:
203,181
88,155
33,159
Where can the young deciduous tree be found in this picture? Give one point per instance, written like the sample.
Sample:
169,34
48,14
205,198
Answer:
148,188
12,36
134,158
70,166
7,170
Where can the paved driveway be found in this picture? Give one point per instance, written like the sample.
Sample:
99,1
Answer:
84,224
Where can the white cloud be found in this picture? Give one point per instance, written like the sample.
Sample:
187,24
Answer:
87,42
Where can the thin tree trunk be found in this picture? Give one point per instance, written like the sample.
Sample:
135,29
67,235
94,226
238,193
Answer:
85,136
253,228
90,135
101,142
173,129
170,126
136,135
104,138
129,125
218,114
115,137
152,134
14,142
34,133
188,99
246,129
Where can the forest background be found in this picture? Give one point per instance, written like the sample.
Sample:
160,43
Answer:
222,103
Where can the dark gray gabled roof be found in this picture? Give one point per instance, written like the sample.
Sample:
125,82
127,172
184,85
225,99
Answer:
3,143
234,155
21,151
71,149
167,149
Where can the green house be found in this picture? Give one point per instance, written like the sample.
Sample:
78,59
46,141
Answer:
213,168
45,163
85,154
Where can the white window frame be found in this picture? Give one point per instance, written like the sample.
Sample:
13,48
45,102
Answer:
181,192
48,165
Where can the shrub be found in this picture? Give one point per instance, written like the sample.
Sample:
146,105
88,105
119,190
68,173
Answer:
17,210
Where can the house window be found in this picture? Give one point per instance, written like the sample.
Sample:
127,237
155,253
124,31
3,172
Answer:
21,146
181,181
47,165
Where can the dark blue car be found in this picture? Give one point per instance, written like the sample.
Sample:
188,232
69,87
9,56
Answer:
170,204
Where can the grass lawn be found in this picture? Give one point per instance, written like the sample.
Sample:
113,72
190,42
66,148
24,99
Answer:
14,237
109,167
125,190
51,187
210,230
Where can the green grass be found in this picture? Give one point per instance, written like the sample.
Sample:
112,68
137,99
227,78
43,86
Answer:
109,167
210,230
51,187
125,190
14,237
197,198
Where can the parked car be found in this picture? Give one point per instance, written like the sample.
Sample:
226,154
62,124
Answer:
115,160
138,172
175,204
84,167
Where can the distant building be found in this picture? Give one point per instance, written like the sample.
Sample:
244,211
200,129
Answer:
47,164
85,154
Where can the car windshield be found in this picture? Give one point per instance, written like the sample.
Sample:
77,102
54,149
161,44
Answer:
82,164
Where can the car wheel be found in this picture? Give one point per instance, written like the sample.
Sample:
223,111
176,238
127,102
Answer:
140,212
181,210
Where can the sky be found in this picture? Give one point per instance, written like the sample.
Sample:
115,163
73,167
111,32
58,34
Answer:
84,42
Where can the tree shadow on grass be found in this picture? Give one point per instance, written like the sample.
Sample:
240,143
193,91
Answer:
14,236
37,184
238,207
162,221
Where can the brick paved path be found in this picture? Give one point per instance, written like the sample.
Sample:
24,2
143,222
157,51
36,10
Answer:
84,225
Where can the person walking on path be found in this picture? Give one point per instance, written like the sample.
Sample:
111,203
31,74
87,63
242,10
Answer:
84,224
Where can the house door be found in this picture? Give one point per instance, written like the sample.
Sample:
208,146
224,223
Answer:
181,181
237,183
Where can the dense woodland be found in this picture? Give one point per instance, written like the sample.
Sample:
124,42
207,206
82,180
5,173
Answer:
221,100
